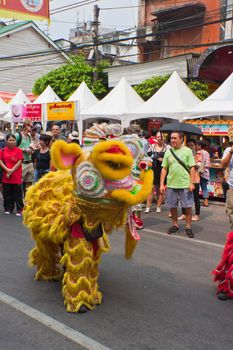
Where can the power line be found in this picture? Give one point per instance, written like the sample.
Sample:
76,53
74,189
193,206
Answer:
43,53
66,8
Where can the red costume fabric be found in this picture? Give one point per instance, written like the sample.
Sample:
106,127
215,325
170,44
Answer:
11,156
224,271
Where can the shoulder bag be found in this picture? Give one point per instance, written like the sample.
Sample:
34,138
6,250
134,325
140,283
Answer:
179,160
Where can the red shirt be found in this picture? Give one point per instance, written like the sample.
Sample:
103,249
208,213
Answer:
152,140
11,156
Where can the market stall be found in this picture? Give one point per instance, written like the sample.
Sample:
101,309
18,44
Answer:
216,132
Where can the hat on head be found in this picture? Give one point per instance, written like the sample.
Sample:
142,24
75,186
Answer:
73,135
27,122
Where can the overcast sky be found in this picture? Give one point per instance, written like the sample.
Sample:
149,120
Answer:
118,18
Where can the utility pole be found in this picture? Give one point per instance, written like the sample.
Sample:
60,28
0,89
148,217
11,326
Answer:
96,40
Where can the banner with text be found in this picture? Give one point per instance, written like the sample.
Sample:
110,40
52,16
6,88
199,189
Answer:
29,111
25,9
61,111
214,129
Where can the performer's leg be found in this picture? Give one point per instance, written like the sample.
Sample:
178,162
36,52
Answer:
46,256
80,289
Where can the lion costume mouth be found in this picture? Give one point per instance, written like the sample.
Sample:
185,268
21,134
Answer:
112,159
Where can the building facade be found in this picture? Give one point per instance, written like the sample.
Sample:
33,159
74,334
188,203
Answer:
177,27
26,55
120,52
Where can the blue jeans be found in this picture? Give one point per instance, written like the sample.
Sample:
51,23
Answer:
39,173
203,184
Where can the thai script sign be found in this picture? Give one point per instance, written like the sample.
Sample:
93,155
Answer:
29,111
61,111
214,129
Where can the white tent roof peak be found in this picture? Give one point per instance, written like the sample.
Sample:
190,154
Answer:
170,101
117,104
224,92
47,96
85,97
19,98
218,103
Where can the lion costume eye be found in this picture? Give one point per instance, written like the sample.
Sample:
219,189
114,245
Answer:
135,148
89,181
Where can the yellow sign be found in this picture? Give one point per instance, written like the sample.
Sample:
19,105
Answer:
61,111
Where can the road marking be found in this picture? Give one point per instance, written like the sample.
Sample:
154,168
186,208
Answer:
53,324
191,240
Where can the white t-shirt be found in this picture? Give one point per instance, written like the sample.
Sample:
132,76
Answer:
230,177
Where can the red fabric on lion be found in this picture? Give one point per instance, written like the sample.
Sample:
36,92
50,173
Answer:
223,273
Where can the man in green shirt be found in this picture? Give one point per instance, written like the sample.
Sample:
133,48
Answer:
180,181
23,141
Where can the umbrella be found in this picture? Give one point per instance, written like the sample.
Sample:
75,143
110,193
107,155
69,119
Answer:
186,128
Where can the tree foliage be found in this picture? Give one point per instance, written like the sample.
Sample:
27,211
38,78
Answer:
67,78
149,87
201,90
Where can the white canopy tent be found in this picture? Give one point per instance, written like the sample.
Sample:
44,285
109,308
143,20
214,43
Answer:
86,99
47,96
116,105
217,104
84,96
170,101
19,99
4,108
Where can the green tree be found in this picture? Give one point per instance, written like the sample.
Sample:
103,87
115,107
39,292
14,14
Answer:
201,90
67,78
149,87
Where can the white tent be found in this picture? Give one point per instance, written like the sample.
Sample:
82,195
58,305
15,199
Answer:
219,103
84,96
4,108
116,105
47,96
86,99
19,99
170,101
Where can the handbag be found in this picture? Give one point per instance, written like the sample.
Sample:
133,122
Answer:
179,161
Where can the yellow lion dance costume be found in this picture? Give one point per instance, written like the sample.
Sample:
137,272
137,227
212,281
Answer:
71,211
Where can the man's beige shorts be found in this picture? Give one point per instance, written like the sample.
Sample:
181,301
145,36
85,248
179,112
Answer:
27,172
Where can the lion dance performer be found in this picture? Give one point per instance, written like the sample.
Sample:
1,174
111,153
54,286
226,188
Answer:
223,273
71,211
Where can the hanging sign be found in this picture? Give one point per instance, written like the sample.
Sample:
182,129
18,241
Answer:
60,111
28,111
25,9
213,129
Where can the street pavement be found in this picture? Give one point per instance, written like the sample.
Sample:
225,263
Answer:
163,298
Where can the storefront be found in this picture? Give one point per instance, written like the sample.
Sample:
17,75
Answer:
217,133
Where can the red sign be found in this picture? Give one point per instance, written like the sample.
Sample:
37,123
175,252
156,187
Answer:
8,96
25,9
29,111
154,124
